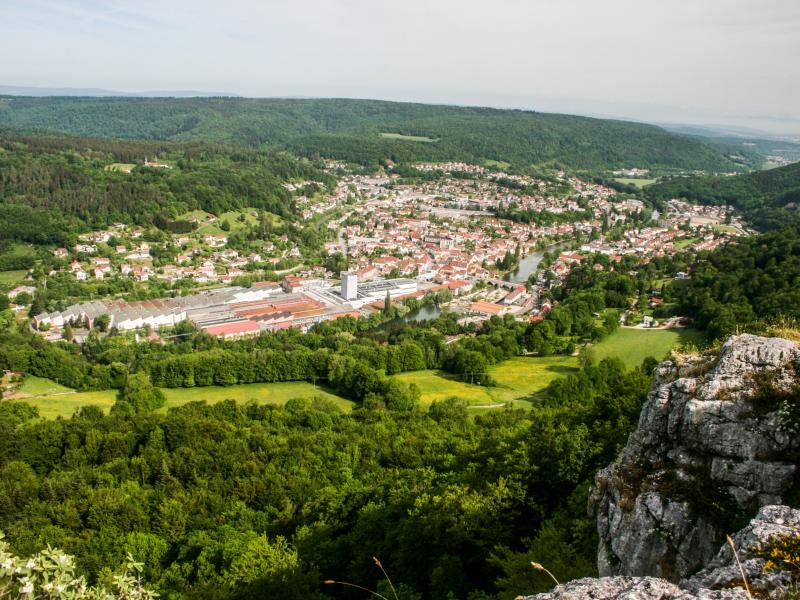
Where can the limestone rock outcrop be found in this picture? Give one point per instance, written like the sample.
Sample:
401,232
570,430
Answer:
720,580
710,449
632,588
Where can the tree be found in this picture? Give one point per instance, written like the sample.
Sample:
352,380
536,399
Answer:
336,262
586,356
387,304
101,322
140,394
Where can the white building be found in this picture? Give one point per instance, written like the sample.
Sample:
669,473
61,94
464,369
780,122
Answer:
349,285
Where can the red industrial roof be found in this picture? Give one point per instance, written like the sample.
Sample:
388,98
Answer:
233,328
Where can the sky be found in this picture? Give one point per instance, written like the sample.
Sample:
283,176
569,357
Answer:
718,62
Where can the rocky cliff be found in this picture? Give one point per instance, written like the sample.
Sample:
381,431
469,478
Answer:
720,580
711,447
716,447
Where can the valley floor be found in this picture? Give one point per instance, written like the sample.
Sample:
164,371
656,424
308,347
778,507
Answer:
519,380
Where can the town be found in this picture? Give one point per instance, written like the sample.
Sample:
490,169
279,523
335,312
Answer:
471,239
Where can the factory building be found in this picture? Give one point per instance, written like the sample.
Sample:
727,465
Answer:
236,311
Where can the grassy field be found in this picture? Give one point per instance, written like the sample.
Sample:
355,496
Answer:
263,393
408,138
521,378
686,242
634,345
65,404
121,167
638,182
232,217
54,400
11,278
496,164
39,386
518,380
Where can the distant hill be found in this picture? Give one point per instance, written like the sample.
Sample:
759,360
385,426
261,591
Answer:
21,90
743,143
351,130
768,199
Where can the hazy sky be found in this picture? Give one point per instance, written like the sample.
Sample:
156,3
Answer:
710,61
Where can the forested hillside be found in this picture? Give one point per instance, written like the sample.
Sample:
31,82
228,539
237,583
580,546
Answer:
351,130
768,199
744,286
232,501
52,187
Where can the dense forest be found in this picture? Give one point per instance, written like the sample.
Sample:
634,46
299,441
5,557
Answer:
767,199
230,501
746,285
351,130
52,187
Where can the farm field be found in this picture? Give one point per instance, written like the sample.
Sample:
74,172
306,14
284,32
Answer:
54,400
408,138
633,345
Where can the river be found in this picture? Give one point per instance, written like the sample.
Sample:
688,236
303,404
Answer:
529,264
427,312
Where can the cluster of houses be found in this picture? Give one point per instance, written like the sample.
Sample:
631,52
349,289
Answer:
400,240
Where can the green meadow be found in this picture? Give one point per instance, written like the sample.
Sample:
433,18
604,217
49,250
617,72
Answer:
11,278
637,181
120,167
54,400
518,380
521,378
496,164
263,393
408,138
633,345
